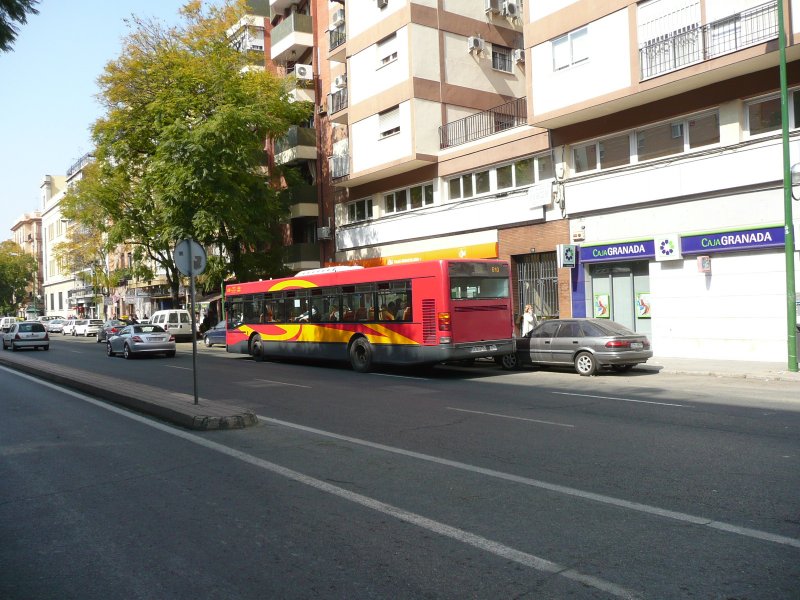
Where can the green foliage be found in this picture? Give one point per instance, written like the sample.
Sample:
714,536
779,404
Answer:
13,11
17,271
180,148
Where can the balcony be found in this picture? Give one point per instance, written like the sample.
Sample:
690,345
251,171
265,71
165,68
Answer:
302,256
292,35
300,143
302,200
696,43
339,165
483,124
302,92
337,102
336,43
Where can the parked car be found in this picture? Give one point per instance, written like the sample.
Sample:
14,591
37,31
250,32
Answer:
141,339
215,335
87,327
109,328
69,327
55,325
45,318
26,334
585,344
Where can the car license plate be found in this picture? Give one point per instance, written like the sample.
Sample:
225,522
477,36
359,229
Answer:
490,347
636,345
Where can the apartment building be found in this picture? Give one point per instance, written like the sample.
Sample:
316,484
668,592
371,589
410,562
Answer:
424,142
57,281
27,233
665,121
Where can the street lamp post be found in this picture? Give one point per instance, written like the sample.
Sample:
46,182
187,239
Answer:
788,194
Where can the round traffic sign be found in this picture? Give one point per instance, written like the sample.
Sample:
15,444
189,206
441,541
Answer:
190,258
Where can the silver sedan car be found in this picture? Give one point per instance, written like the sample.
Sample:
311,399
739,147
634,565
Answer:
584,344
141,339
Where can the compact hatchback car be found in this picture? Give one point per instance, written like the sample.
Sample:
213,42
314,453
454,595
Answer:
87,327
215,335
27,334
584,344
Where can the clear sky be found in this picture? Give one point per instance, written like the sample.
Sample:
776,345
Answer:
48,84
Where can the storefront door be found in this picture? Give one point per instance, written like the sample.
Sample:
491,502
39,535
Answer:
621,292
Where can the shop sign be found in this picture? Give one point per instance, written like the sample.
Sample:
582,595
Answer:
668,247
643,249
566,255
729,241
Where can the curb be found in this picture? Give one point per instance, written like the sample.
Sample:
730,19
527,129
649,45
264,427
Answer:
176,408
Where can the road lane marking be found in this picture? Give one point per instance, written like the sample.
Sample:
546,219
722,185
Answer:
477,412
454,533
282,383
621,399
174,367
560,489
552,487
399,376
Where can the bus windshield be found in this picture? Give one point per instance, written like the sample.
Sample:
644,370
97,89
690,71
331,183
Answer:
478,281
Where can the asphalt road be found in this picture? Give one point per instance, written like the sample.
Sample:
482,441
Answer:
447,482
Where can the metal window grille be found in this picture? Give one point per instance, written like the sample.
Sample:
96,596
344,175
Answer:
537,283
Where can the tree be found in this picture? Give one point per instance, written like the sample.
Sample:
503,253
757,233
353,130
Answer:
17,271
13,11
180,148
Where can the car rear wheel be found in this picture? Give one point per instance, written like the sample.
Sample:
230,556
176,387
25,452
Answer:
509,362
126,352
585,364
207,342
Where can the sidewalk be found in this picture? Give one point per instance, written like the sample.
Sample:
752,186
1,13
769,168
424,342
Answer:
763,371
172,407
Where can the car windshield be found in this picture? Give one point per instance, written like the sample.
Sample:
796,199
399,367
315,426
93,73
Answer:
147,329
96,322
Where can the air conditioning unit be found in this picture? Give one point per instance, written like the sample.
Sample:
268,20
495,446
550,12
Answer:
475,44
322,108
383,3
340,81
338,17
519,55
323,233
303,72
510,8
492,6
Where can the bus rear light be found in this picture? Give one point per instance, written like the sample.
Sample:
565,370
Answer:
444,321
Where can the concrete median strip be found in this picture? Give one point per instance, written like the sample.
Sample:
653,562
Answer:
174,407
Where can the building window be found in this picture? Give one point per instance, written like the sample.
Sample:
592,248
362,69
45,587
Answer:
501,59
389,122
60,300
615,151
658,140
704,130
409,198
570,49
584,158
764,116
521,173
360,210
387,50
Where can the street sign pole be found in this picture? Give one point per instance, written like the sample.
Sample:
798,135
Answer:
194,325
190,258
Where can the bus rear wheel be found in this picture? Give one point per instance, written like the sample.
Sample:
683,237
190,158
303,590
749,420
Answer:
361,355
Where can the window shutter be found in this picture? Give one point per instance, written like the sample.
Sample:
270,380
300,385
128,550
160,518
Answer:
389,121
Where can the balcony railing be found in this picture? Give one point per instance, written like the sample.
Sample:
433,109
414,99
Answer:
295,136
694,43
337,37
337,101
339,165
483,124
294,23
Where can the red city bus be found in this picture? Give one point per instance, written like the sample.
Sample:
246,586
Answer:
417,313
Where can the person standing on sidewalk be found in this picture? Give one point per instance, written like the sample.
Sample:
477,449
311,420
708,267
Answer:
528,320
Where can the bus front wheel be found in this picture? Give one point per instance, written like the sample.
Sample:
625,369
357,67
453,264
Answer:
361,355
257,348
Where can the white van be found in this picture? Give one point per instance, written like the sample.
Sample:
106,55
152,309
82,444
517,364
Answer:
175,320
7,322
